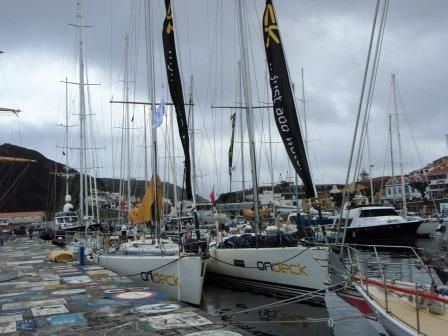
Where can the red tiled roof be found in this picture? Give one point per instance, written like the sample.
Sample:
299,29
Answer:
438,169
22,214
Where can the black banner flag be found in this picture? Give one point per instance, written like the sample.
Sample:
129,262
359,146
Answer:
283,100
175,86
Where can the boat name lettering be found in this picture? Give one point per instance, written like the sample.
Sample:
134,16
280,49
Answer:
295,269
170,280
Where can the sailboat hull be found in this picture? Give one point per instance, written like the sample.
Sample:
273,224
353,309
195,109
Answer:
427,228
288,270
180,278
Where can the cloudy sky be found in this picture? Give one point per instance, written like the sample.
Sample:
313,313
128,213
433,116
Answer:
328,39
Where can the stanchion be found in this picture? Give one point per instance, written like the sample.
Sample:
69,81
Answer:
81,255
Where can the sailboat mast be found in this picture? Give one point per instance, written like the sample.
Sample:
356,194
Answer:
173,154
193,161
240,98
305,122
127,123
66,137
271,165
370,165
145,148
403,187
305,140
152,94
249,114
82,118
392,157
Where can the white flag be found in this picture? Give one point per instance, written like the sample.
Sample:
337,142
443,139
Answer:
160,112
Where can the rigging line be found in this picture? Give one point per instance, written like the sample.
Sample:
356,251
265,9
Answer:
366,70
210,89
403,106
13,184
370,91
384,165
189,38
329,320
259,36
295,299
157,268
274,264
221,130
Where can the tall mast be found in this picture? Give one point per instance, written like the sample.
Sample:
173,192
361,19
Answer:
173,154
240,97
82,119
403,187
127,123
305,140
249,114
66,137
304,110
392,157
193,162
271,168
145,148
152,94
370,165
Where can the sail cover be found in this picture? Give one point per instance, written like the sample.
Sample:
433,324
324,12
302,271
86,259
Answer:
283,100
175,86
146,211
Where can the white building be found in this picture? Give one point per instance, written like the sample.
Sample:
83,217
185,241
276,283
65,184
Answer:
394,190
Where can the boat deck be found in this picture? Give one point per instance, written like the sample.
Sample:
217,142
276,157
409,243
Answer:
430,324
38,296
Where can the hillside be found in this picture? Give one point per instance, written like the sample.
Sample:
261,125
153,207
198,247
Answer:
29,186
40,185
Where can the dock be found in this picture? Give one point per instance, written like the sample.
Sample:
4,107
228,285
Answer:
41,297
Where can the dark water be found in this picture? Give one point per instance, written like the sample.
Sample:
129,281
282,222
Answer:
283,320
300,318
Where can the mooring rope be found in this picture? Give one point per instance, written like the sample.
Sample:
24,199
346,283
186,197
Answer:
157,268
276,264
295,299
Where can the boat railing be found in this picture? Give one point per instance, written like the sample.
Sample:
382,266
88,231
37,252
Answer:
90,240
107,243
370,269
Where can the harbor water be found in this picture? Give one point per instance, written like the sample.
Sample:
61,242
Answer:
336,317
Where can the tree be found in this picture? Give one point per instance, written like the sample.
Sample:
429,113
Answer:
420,186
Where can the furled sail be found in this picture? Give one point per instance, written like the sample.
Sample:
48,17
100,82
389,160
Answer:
283,100
232,139
175,86
146,211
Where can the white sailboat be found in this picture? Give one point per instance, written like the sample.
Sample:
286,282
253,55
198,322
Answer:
179,274
69,220
291,269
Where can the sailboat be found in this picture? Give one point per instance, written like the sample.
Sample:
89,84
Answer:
177,272
290,269
83,219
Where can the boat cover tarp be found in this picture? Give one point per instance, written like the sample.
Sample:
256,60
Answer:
61,256
248,241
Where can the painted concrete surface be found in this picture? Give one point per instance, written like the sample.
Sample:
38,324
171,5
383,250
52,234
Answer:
40,297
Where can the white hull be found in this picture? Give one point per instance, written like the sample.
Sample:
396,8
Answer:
392,326
427,228
282,269
180,278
